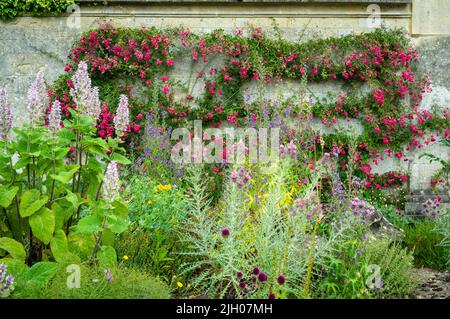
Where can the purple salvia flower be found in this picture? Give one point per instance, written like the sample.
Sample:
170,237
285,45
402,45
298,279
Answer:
9,281
54,118
37,99
108,275
379,283
6,117
111,183
121,120
93,108
84,95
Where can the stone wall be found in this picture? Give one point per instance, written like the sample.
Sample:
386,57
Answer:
29,43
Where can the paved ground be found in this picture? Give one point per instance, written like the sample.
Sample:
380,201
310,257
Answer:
434,284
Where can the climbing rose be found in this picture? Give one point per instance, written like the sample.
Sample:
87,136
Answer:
121,120
6,116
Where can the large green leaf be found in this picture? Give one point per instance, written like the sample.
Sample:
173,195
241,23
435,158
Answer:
31,202
22,162
13,247
65,177
38,275
117,224
120,209
63,209
89,225
7,195
107,257
43,225
108,238
73,199
15,266
60,249
80,244
119,158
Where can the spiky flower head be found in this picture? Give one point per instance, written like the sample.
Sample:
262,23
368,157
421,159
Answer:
121,120
54,118
84,95
6,116
37,99
111,183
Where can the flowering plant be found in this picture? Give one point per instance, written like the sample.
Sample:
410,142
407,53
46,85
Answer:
59,188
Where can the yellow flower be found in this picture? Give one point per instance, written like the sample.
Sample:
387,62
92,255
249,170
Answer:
125,257
149,202
164,187
179,284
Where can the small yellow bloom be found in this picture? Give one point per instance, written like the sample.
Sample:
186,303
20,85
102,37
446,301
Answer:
125,257
164,187
149,202
179,284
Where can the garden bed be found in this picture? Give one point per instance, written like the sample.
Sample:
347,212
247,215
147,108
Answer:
126,183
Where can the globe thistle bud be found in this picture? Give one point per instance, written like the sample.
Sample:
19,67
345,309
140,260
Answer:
6,116
37,99
111,183
121,120
54,118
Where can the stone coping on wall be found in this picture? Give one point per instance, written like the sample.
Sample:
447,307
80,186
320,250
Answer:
252,1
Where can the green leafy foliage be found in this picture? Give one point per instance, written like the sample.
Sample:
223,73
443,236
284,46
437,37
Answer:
10,9
14,248
422,238
49,209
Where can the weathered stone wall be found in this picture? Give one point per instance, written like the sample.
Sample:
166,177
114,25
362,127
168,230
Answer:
28,43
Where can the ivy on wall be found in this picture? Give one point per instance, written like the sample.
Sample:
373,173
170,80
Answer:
126,61
10,9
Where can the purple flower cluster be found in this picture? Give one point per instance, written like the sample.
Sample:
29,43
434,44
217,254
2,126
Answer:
84,95
361,208
241,177
289,150
6,282
6,116
258,276
337,189
54,118
431,207
111,183
37,99
122,118
108,275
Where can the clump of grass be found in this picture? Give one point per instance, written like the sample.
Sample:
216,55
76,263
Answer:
125,284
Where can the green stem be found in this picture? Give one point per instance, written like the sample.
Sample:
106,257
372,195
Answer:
98,241
52,193
311,260
16,200
34,173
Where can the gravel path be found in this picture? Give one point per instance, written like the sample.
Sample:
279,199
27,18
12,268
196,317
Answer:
434,284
